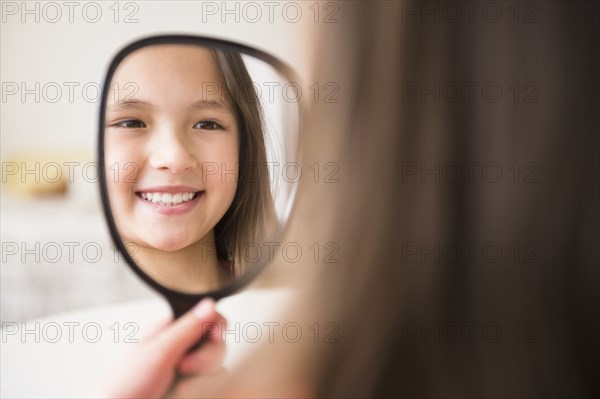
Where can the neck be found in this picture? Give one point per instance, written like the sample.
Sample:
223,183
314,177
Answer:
192,269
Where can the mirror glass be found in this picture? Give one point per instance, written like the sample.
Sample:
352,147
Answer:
199,149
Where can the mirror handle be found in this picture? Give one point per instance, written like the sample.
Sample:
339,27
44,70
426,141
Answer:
181,305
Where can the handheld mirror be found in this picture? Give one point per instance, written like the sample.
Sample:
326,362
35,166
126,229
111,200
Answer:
198,150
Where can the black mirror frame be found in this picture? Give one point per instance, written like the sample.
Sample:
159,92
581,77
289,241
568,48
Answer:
181,302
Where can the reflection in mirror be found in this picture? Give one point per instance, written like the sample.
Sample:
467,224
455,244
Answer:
197,153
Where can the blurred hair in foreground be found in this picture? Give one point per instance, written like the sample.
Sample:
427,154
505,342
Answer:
376,289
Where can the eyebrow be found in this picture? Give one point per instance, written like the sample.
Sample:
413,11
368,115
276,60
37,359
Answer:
132,104
211,104
129,104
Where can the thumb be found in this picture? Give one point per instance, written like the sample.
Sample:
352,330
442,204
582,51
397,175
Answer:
186,331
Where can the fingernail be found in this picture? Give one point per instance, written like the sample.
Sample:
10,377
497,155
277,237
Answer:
203,308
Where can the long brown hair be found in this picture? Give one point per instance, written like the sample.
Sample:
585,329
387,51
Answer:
537,296
251,216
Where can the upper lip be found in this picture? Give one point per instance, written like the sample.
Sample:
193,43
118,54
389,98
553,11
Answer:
169,189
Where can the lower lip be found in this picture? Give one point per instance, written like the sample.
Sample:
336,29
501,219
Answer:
180,209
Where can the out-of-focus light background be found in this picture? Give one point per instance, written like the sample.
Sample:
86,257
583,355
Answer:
56,253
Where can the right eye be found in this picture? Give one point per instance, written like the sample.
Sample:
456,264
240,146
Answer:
131,124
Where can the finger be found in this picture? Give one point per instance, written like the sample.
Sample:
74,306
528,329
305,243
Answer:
209,358
202,386
155,328
215,333
186,331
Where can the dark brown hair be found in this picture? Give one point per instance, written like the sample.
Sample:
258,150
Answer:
542,302
251,216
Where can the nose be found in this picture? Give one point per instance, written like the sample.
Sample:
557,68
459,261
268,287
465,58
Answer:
171,152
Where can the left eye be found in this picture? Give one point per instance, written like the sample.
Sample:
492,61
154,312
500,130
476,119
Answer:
131,123
208,125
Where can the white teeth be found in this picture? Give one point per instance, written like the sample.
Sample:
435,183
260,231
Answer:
168,199
177,198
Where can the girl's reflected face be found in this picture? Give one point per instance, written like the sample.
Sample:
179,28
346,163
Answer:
171,148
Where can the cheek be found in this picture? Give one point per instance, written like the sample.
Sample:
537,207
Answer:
221,192
223,181
122,167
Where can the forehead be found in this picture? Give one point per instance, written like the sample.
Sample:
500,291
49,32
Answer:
170,72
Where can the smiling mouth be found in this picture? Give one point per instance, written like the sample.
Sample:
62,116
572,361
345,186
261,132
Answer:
169,199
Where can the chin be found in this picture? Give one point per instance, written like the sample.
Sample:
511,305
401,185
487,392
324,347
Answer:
169,244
